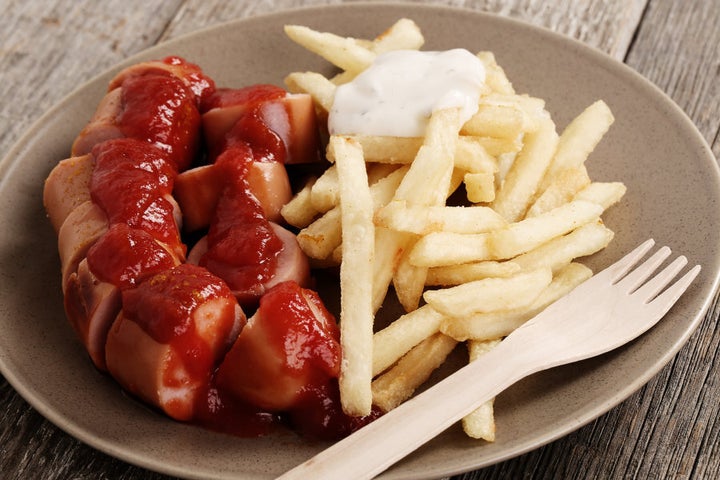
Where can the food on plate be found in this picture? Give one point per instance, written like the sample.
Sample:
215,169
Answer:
178,276
170,335
479,231
190,216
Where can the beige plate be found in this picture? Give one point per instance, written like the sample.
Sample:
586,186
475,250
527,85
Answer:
673,187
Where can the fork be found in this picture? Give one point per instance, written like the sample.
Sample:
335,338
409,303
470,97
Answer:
610,309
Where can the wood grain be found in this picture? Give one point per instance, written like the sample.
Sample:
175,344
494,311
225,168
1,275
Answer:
667,429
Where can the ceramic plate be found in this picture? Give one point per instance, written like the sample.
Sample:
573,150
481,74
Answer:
673,190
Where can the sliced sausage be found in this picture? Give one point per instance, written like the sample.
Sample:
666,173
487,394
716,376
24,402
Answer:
198,190
173,331
289,345
80,230
292,265
67,187
91,307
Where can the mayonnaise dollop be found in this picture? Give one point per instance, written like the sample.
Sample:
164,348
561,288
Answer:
396,95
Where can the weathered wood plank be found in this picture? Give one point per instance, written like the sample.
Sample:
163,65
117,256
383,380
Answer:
678,49
49,48
608,26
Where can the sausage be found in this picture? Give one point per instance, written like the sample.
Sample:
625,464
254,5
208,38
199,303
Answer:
289,345
107,122
112,207
173,330
290,116
103,124
191,75
198,190
67,187
156,108
80,230
292,265
91,306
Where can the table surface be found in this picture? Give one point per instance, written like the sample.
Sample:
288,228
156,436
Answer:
668,429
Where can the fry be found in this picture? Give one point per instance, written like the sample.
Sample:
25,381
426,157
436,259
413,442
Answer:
398,384
317,86
560,251
394,150
497,324
506,116
356,313
299,211
326,191
580,138
499,146
345,53
468,272
490,294
471,156
395,340
448,248
389,247
501,249
480,187
495,121
428,180
480,423
532,232
522,181
321,237
402,35
422,220
561,190
409,281
495,76
604,194
470,152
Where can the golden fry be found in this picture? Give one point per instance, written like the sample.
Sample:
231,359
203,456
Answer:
356,313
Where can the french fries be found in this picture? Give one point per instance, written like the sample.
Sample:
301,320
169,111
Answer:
356,312
476,226
480,423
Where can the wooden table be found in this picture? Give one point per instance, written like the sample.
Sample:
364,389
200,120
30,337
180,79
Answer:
668,429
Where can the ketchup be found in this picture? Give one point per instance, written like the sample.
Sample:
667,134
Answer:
200,84
191,75
165,306
162,111
131,182
220,412
124,256
319,415
251,129
243,249
286,361
233,116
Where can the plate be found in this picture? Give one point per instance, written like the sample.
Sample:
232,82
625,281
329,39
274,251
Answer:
673,194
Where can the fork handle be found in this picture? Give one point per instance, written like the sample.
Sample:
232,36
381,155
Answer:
375,447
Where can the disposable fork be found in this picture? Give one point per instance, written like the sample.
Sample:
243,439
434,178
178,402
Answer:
610,309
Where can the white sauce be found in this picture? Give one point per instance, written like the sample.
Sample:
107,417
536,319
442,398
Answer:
397,94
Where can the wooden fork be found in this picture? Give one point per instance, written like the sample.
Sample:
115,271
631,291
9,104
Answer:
608,310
